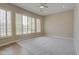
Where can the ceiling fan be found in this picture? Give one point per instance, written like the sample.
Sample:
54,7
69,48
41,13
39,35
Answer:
43,8
43,5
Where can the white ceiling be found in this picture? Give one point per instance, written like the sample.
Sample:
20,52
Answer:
52,7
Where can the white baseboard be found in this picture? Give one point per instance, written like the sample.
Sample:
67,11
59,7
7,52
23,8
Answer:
60,37
7,43
14,41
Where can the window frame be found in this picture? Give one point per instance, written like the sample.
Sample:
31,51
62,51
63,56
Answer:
31,28
38,24
6,24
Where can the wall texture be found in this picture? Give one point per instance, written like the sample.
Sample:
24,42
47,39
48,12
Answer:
13,10
60,24
76,28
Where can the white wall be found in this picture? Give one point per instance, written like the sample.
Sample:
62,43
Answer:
76,28
59,24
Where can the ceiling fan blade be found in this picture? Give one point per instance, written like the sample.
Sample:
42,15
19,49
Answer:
42,4
46,6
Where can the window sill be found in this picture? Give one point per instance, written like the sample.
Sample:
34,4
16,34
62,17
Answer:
29,34
5,37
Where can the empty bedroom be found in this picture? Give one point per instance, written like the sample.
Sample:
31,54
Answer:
39,29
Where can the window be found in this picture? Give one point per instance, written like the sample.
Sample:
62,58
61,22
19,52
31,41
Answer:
38,25
5,23
19,24
27,24
33,25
